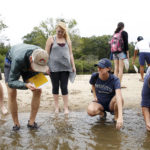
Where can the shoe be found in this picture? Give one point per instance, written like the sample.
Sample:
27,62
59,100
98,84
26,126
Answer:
32,127
16,128
103,117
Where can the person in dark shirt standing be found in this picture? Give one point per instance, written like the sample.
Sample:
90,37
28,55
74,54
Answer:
107,93
118,57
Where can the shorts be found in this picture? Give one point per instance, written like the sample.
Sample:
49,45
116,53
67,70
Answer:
144,56
106,107
25,74
119,56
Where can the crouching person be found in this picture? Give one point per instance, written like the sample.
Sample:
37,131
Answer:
107,93
24,60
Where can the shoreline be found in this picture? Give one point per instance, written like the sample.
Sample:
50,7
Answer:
79,94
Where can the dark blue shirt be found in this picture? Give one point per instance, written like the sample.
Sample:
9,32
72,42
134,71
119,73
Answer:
105,90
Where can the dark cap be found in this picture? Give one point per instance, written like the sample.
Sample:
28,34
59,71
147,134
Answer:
104,63
139,38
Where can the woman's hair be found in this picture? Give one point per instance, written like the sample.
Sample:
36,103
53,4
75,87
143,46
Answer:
120,26
62,25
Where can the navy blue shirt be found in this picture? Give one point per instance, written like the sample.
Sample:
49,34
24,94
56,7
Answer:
146,92
105,90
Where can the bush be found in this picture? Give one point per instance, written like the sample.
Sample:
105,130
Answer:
2,62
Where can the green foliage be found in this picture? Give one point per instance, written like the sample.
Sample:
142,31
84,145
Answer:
86,50
40,34
3,48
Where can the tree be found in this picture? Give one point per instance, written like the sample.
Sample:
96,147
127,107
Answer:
3,48
46,28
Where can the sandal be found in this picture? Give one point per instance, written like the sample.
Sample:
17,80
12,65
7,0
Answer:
103,117
32,127
16,128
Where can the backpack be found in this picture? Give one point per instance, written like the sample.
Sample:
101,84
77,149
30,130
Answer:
117,43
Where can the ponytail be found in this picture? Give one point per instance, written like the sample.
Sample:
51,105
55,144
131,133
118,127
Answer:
119,27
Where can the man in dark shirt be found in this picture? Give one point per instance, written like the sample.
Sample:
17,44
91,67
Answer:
24,60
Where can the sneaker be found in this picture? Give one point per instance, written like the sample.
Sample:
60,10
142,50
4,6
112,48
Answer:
103,117
16,128
32,127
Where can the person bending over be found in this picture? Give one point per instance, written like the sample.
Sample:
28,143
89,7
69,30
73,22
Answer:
143,47
24,60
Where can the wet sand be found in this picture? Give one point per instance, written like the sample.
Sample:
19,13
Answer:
79,94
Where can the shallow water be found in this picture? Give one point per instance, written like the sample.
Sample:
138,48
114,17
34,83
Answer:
78,131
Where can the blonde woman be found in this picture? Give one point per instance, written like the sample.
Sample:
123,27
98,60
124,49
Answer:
61,62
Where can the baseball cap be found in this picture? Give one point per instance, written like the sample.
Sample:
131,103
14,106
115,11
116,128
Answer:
40,59
104,63
139,38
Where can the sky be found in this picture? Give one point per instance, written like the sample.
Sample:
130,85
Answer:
94,17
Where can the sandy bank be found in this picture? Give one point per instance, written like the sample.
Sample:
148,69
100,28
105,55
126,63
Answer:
79,94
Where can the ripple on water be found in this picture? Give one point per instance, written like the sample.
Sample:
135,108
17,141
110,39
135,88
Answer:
77,131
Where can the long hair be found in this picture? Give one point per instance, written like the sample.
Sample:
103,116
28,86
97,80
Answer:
120,26
62,25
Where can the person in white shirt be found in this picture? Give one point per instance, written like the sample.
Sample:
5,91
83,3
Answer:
144,54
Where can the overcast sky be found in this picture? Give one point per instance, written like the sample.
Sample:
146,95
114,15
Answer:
94,17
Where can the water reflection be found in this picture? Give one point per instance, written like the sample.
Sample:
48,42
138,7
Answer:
77,131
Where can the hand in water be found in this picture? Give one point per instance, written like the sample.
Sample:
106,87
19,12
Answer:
119,123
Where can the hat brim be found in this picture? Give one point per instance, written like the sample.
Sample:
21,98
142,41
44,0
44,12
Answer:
39,68
99,65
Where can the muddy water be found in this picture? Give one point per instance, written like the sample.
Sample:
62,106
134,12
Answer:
78,131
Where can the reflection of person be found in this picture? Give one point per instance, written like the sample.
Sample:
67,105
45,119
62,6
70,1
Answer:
61,62
3,108
144,54
118,57
24,60
145,103
107,93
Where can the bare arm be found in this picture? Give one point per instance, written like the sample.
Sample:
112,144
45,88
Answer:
119,101
134,57
71,57
128,55
94,93
49,43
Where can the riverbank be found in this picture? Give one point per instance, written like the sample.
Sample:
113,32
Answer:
79,94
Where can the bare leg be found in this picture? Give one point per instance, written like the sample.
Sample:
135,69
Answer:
114,108
95,109
3,108
121,66
56,103
12,94
65,99
142,72
35,105
116,67
146,114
